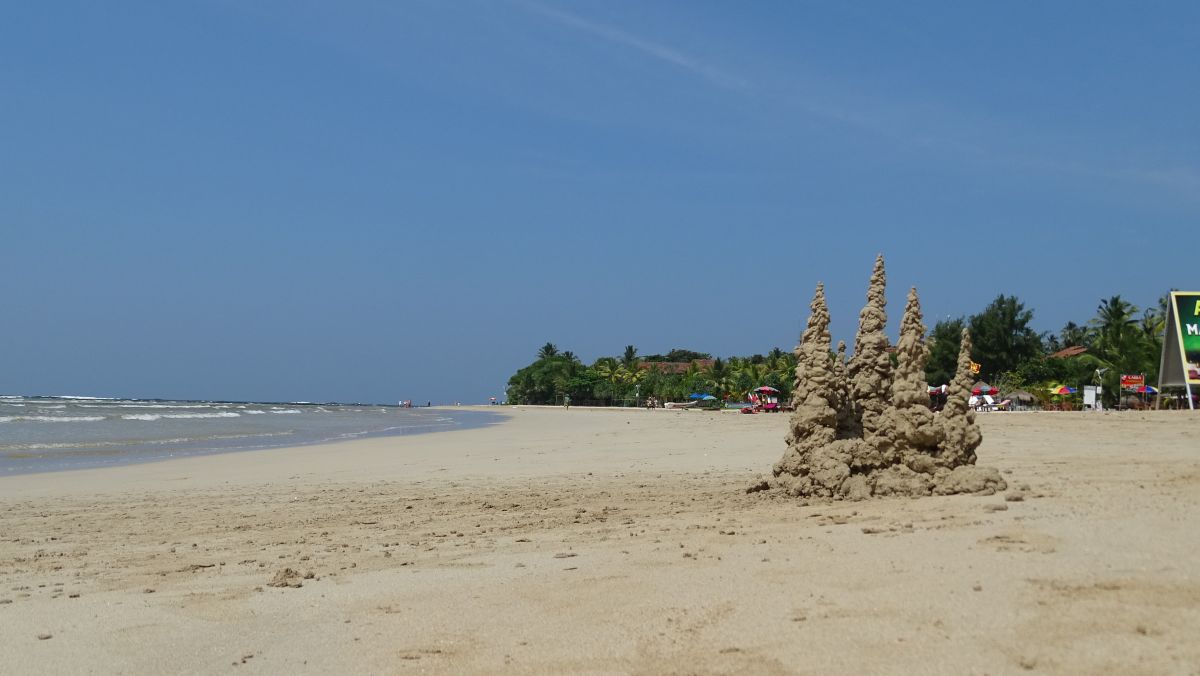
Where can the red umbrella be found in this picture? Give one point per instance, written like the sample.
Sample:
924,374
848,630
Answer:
985,390
766,388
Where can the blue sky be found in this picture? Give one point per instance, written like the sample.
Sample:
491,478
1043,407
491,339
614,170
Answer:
387,200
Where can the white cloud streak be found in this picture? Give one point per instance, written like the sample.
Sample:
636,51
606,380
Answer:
1177,179
648,47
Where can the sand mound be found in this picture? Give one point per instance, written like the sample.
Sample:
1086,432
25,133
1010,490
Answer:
863,427
288,578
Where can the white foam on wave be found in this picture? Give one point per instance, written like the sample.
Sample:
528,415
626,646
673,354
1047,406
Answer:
67,446
150,417
162,406
254,412
50,418
285,410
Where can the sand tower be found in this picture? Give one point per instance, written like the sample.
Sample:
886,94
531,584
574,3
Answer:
863,427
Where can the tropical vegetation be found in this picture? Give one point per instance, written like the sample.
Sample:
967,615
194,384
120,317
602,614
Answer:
1120,339
631,379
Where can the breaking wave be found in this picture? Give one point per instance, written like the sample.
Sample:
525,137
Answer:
50,418
179,416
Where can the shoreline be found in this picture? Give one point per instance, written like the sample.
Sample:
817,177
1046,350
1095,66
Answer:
417,457
323,455
131,458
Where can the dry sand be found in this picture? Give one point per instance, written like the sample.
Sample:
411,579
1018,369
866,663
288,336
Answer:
599,541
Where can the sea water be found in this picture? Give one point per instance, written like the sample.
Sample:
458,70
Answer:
39,434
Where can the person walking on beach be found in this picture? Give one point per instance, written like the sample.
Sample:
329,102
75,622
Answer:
566,401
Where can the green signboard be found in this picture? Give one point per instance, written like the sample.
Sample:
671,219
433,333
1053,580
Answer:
1180,364
1187,327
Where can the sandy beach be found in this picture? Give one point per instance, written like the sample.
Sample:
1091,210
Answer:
607,541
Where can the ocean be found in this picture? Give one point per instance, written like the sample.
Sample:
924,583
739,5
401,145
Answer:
40,434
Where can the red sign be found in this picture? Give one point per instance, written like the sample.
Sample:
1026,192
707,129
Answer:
1132,381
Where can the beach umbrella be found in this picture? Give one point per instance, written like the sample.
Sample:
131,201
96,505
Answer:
766,388
1146,389
707,397
698,395
983,388
1062,389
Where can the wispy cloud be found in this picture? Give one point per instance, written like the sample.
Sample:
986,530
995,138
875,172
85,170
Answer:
638,43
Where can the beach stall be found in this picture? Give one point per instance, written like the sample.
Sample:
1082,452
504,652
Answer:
982,402
1061,395
1021,400
765,399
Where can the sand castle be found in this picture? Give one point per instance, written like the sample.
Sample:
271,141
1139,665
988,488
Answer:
863,427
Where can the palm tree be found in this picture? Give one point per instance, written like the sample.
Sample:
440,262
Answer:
1123,343
1154,320
745,379
604,369
1116,328
616,375
629,359
548,350
717,371
782,371
1074,334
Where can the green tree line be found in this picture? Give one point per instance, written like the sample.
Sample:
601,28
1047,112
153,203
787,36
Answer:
632,378
1120,338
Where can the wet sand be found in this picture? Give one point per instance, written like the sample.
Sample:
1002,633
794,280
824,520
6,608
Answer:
600,541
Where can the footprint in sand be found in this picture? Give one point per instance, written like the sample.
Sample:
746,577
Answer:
1022,541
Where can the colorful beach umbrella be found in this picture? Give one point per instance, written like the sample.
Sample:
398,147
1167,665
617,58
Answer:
981,387
1063,389
766,388
1146,389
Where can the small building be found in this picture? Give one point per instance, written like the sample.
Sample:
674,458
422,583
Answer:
675,366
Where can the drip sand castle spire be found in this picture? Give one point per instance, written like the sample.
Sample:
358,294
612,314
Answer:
863,427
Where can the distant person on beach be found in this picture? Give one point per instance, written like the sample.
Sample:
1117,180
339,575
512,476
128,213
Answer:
566,401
